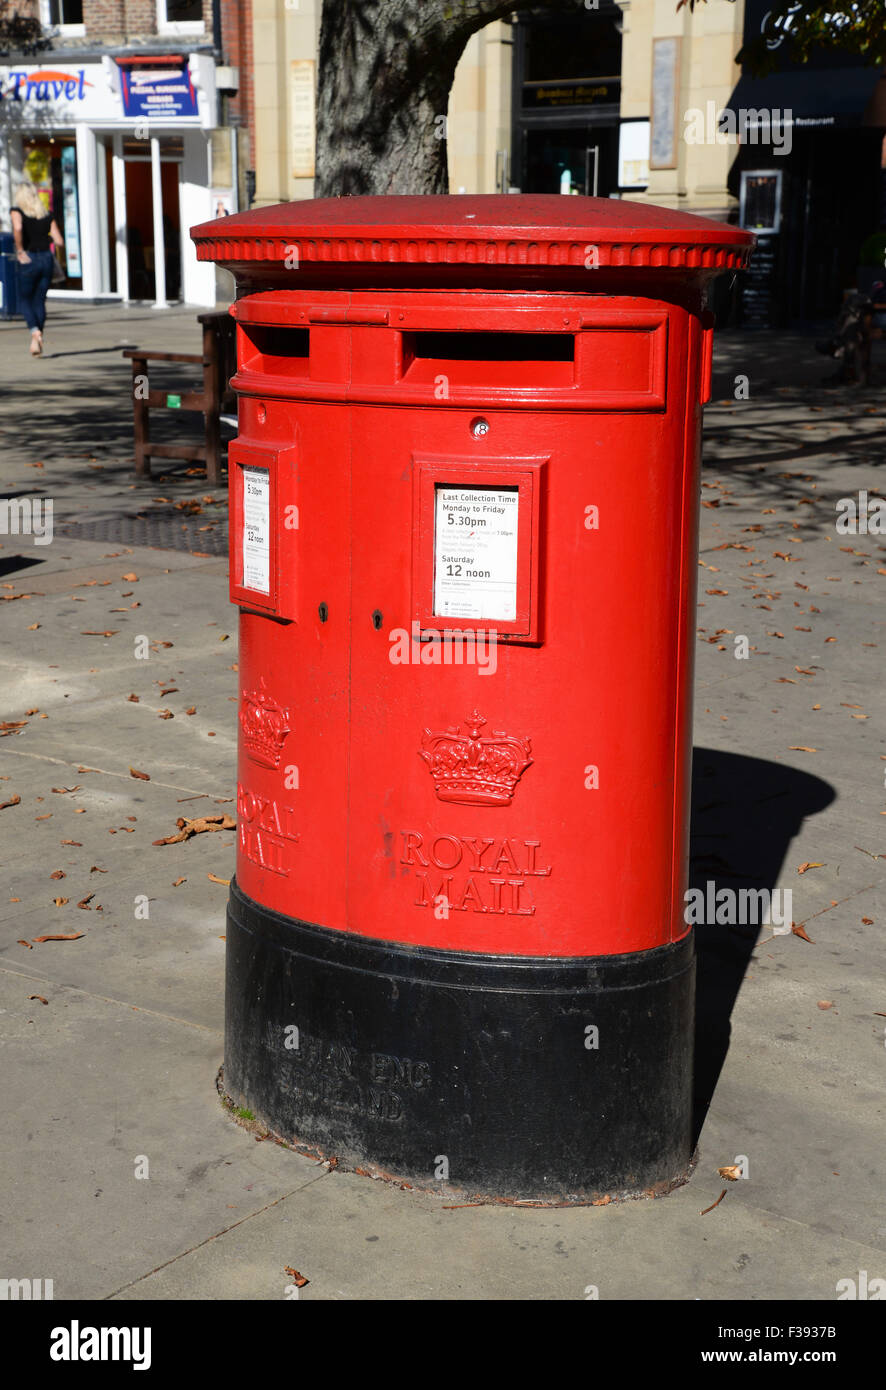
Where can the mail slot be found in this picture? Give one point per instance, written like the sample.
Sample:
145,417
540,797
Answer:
463,527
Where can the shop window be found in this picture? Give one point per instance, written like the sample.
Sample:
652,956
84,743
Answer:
63,14
562,50
51,165
180,16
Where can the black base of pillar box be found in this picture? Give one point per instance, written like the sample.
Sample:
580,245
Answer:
459,1072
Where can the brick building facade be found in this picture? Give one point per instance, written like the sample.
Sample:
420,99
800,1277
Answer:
134,121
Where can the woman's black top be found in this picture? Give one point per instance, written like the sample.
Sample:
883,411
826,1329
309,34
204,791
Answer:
35,231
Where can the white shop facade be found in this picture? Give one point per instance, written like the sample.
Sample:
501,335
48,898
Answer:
120,150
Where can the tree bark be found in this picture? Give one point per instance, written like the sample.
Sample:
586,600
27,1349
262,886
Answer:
386,69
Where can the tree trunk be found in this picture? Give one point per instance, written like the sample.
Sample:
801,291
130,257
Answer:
386,68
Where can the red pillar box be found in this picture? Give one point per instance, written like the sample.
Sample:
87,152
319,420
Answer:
463,523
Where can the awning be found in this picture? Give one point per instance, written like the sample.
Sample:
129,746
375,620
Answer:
814,97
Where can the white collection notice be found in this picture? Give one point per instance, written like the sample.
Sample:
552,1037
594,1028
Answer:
257,529
475,553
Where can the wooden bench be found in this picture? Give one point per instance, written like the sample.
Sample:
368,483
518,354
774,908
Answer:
218,361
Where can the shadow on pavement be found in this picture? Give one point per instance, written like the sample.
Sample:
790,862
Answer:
745,813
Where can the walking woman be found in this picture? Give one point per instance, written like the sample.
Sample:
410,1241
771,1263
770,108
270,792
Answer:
35,232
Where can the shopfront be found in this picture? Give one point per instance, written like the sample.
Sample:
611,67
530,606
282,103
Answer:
566,95
810,176
120,150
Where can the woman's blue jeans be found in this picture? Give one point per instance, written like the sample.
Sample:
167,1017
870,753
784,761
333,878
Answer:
32,282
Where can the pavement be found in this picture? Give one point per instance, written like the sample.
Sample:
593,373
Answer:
118,656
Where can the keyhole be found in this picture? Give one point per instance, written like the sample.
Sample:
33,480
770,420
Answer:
323,610
377,620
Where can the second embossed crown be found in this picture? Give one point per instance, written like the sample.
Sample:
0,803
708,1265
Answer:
473,770
265,725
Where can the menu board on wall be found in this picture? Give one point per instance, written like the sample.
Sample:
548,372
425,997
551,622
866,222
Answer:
665,91
303,118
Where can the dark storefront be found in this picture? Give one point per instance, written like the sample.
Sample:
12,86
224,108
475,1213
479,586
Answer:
817,201
567,89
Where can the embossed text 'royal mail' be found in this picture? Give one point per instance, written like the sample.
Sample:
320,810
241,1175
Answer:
473,874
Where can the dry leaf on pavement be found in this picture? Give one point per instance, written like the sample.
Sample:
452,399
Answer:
197,826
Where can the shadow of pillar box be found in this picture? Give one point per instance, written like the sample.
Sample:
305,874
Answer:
457,952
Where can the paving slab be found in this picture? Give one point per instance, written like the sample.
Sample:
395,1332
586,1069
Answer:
122,1060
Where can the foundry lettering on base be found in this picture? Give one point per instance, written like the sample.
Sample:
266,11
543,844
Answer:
263,830
336,1075
491,873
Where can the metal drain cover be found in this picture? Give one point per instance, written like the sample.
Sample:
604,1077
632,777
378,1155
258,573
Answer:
160,530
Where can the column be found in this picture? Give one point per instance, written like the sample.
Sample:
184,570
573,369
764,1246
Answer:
159,246
120,243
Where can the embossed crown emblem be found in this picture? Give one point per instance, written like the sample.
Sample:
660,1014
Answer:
473,770
265,726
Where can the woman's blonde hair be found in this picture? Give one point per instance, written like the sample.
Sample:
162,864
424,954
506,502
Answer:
28,201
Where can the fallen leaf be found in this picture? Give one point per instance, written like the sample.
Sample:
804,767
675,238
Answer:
21,942
601,1202
192,710
60,936
165,714
40,997
714,1204
810,864
96,870
84,902
197,826
868,921
60,902
14,800
178,881
142,776
129,578
214,879
59,873
298,1279
801,748
134,699
731,1172
797,929
109,632
78,843
61,790
825,1003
